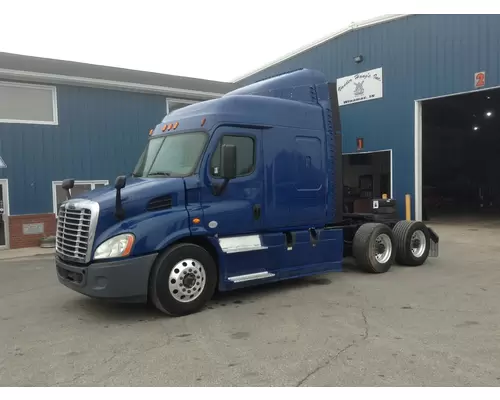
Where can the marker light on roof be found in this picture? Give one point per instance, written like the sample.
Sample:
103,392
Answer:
170,126
176,125
203,121
150,132
164,128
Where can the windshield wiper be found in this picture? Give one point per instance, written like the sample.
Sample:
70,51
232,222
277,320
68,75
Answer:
159,173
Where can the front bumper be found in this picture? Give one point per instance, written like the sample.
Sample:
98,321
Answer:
122,280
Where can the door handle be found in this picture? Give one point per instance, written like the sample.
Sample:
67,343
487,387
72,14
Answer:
256,211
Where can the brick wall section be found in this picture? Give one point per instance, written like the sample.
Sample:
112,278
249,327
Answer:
19,240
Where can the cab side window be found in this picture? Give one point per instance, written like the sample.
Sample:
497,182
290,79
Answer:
245,155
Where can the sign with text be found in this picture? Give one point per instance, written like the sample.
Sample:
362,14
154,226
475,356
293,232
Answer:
479,79
360,87
33,229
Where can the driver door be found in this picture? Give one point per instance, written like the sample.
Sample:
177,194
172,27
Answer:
238,209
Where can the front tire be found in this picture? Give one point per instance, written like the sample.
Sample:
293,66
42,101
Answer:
373,247
183,279
412,243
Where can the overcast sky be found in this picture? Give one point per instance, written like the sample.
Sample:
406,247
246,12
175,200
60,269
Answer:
211,39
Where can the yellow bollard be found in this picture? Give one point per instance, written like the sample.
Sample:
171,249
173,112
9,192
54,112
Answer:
408,207
384,196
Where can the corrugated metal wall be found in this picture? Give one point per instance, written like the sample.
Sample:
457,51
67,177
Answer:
422,56
100,135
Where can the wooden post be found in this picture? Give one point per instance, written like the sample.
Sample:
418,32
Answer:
408,207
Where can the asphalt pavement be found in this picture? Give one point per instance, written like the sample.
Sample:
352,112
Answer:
435,325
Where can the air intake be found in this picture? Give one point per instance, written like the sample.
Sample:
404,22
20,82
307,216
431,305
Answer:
160,203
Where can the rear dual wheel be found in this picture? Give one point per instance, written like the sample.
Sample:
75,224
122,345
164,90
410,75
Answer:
412,240
373,247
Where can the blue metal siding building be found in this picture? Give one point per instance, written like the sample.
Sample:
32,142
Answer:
61,119
422,56
100,135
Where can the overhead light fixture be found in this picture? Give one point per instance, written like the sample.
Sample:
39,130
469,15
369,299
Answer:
476,128
489,113
488,98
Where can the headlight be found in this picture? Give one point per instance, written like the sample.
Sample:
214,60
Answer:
118,246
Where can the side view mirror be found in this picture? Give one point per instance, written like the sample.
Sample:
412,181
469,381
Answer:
228,161
67,185
119,185
120,182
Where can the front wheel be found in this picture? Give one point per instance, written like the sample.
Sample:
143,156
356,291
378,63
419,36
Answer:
183,279
373,247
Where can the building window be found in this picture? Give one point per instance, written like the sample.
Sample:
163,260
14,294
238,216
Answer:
175,104
28,104
59,195
245,155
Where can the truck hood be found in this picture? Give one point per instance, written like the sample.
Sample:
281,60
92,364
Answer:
136,194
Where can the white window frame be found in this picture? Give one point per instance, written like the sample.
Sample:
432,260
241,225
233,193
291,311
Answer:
92,184
53,89
181,101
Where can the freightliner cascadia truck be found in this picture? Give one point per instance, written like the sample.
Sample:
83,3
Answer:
242,190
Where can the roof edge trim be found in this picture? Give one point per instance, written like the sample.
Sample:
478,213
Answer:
352,27
104,84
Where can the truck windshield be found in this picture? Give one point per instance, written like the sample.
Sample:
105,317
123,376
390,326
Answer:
174,155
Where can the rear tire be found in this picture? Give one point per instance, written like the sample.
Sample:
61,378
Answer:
412,243
183,279
373,247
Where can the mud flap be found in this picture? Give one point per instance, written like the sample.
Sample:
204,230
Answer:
434,250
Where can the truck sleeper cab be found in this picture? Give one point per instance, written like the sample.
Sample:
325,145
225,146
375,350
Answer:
229,193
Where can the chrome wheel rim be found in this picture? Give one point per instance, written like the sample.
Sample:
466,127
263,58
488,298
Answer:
418,244
187,280
383,248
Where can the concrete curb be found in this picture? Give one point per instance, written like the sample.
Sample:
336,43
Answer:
9,255
44,255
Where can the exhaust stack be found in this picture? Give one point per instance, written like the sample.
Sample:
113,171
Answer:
338,177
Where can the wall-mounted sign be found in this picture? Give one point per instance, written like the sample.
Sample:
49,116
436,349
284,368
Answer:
479,79
33,229
360,87
2,163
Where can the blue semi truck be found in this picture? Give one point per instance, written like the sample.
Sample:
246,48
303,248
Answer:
241,190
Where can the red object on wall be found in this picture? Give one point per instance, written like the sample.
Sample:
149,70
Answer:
359,143
479,79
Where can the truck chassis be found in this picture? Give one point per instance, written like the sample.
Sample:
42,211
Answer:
375,245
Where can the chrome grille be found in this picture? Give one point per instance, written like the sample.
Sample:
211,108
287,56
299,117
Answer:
75,229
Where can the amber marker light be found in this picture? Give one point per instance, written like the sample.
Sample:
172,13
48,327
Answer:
203,121
150,132
176,125
196,221
128,247
170,127
164,128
